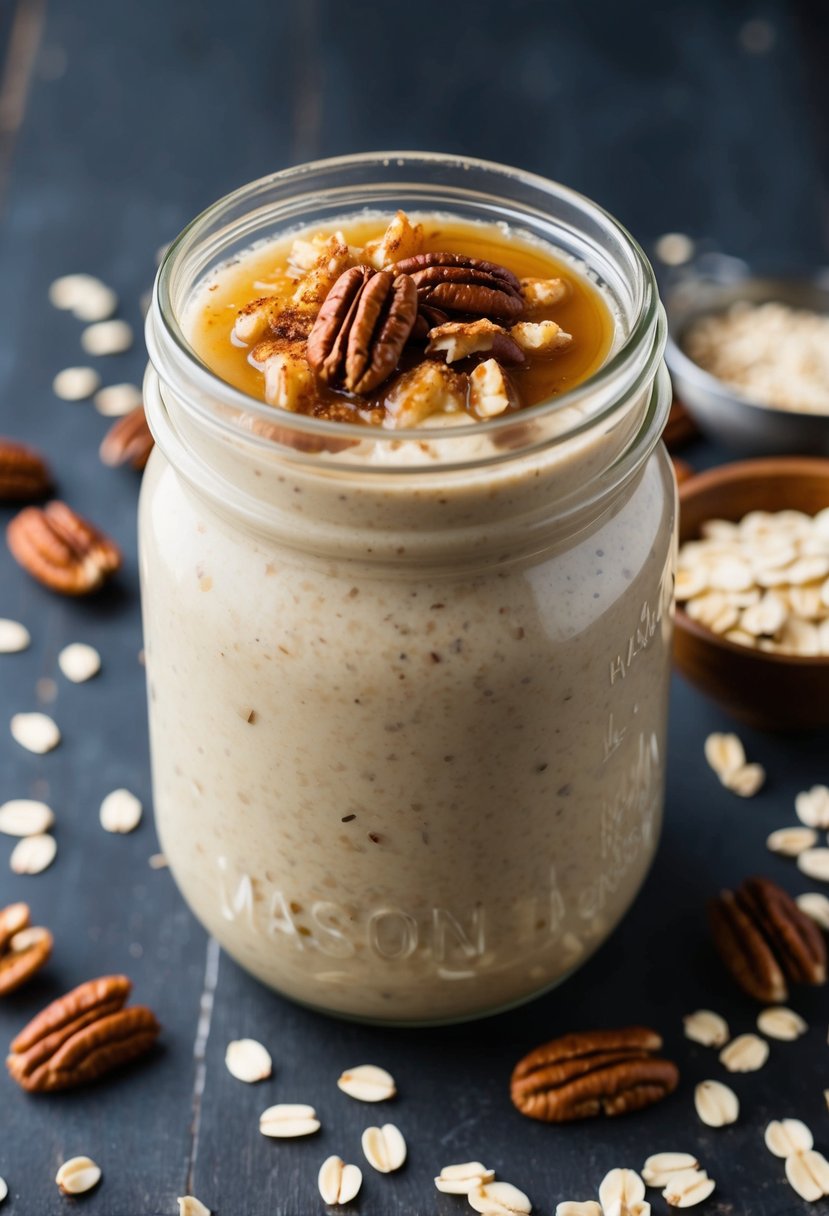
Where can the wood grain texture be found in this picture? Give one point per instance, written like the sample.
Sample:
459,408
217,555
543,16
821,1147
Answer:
137,116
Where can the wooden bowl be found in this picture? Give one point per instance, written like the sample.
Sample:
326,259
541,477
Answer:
770,691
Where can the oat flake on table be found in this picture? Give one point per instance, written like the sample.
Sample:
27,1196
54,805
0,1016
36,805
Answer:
36,732
78,1175
338,1183
25,817
286,1120
367,1083
189,1205
107,338
247,1060
33,854
76,383
79,662
120,812
384,1148
14,637
464,1177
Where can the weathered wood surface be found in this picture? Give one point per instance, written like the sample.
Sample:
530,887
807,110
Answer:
117,123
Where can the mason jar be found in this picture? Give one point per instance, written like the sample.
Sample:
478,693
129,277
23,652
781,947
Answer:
408,692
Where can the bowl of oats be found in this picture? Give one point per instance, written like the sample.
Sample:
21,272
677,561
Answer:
752,590
749,358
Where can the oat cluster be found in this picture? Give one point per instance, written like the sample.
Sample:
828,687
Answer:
761,582
772,354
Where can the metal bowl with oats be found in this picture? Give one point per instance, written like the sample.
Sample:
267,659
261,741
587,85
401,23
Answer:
720,410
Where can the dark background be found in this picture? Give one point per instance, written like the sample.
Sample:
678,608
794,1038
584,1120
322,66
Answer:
119,121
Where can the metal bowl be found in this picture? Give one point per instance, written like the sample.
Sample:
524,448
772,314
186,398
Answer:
720,411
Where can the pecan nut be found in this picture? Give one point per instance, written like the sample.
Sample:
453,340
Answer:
82,1036
61,550
23,950
766,941
24,475
361,329
454,283
599,1071
128,441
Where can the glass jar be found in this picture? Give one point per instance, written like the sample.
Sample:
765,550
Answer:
408,696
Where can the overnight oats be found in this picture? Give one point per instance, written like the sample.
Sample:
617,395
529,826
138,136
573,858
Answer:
407,545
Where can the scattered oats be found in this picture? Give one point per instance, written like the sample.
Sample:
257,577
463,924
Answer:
33,854
107,338
730,574
36,732
688,1188
778,1022
367,1083
791,841
76,383
800,637
674,248
188,1205
620,1191
815,905
120,812
812,807
84,295
25,817
14,637
660,1168
690,582
384,1148
746,781
117,399
706,1027
338,1183
158,861
716,1104
808,1174
77,1175
499,1199
572,1207
461,1179
724,753
248,1060
288,1119
814,863
786,1136
746,1053
79,662
765,618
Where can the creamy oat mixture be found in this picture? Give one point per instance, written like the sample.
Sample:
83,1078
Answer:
407,724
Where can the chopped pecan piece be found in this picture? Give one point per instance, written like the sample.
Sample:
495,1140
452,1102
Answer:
600,1071
430,389
455,283
542,293
24,475
23,950
765,940
128,441
402,239
362,328
81,1036
490,392
459,339
61,550
540,337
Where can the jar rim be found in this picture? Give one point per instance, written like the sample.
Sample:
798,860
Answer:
171,352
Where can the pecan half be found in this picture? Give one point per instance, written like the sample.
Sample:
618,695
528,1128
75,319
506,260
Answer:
23,950
128,441
765,940
81,1036
361,329
454,283
61,550
24,475
600,1071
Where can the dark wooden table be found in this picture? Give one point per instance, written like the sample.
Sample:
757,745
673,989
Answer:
117,123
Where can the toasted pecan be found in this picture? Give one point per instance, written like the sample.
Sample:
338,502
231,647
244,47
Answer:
766,941
454,283
26,953
24,474
128,441
361,329
81,1036
62,550
601,1071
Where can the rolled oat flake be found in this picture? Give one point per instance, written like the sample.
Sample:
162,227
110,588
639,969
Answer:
815,905
33,854
462,1178
247,1060
4,1190
808,1174
36,732
77,1175
707,1028
500,1199
786,1136
384,1148
79,662
117,399
189,1205
716,1104
120,812
338,1183
688,1188
367,1083
25,817
14,637
746,1053
814,863
107,338
287,1120
661,1167
76,383
778,1022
